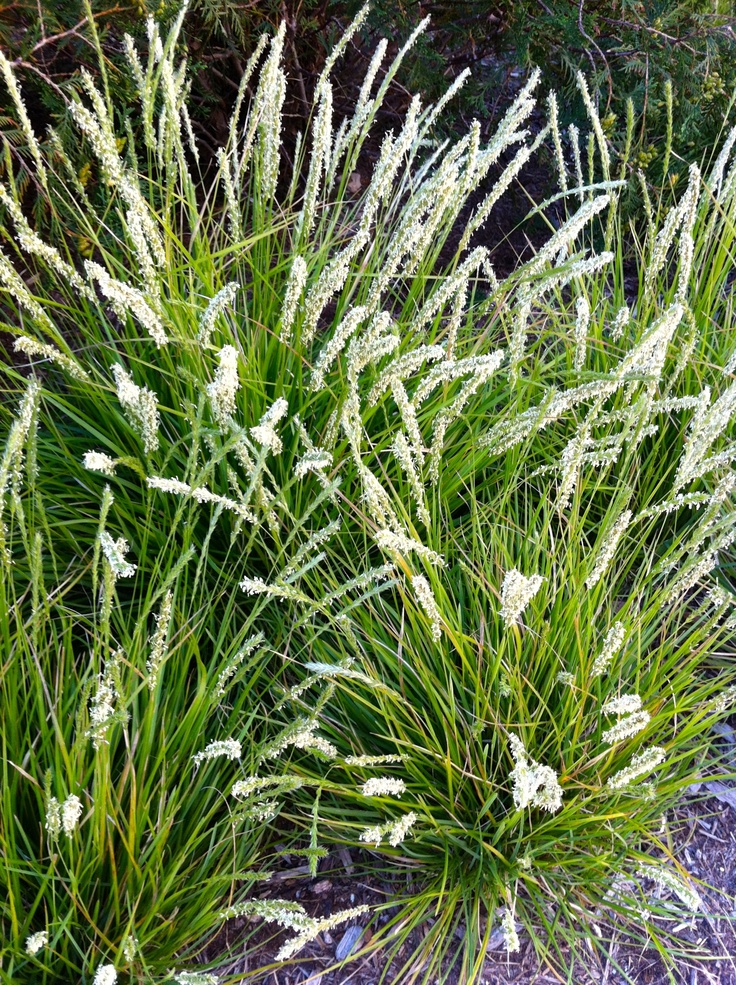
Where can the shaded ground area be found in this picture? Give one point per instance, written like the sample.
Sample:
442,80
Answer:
704,841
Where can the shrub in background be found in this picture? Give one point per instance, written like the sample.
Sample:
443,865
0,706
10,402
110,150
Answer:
394,553
628,50
653,54
675,62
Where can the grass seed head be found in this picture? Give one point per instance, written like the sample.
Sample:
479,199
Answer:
517,592
37,942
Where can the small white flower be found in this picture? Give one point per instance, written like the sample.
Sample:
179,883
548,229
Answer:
174,486
375,497
412,362
707,424
534,784
597,126
102,704
71,811
556,140
201,495
230,748
373,760
316,927
508,926
106,975
195,978
245,651
298,730
256,784
611,645
667,879
409,460
373,836
30,139
349,325
330,282
398,831
269,100
724,700
264,432
620,322
627,727
571,461
383,786
33,348
158,641
394,831
125,298
232,203
223,389
11,462
641,765
97,461
718,598
11,279
516,593
370,347
130,947
395,543
283,912
219,302
309,740
319,158
141,405
262,810
36,942
53,817
428,602
624,705
315,460
582,321
294,289
257,586
101,139
608,549
102,710
115,551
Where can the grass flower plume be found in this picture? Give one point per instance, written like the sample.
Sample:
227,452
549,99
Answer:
37,942
516,594
534,785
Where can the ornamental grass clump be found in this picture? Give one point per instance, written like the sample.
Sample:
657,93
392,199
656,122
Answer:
315,529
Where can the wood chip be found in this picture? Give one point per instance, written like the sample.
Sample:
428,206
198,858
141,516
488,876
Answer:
348,942
347,860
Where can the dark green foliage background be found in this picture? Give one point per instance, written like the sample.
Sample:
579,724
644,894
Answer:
628,50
